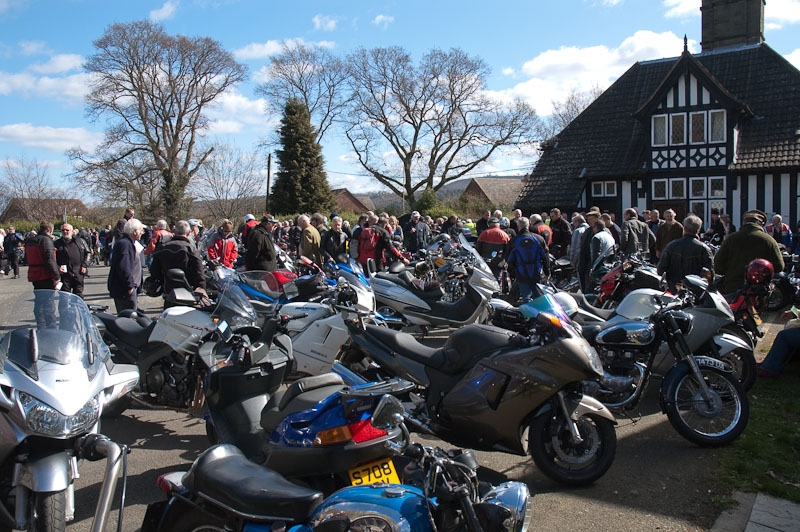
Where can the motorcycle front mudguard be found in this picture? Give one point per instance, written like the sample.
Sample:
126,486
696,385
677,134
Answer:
578,405
45,472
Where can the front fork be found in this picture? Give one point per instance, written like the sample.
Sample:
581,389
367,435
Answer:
679,342
573,425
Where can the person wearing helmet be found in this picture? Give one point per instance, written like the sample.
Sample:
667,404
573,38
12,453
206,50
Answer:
742,247
685,256
248,223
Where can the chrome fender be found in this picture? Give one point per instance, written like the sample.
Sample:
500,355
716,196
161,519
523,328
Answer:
45,473
727,342
578,405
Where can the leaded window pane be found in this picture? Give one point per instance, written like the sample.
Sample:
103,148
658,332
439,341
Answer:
698,127
698,188
659,130
678,129
659,189
716,187
717,126
677,189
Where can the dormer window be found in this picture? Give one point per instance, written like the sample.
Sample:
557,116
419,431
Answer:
677,129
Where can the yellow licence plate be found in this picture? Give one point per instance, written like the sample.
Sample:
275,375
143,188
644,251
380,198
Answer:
373,472
756,317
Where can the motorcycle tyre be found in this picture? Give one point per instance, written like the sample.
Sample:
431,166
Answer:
778,299
670,384
50,508
116,409
749,366
544,458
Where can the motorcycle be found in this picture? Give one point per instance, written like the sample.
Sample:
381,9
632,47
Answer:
222,490
700,395
56,379
491,389
625,277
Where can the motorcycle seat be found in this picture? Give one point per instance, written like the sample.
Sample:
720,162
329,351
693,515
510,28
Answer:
404,279
302,394
407,346
563,263
602,313
130,331
224,475
469,344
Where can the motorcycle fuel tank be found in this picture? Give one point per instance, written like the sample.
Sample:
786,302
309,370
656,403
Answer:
314,311
641,303
631,333
181,328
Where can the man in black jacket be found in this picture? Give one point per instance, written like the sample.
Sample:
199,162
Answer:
562,233
71,260
260,247
182,254
417,233
334,240
686,255
483,223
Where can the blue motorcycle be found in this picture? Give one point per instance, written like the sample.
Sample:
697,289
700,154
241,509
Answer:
225,491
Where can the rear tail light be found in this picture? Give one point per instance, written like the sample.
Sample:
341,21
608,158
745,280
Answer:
358,432
364,431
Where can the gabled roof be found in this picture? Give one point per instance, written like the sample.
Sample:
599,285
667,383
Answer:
500,191
345,200
608,141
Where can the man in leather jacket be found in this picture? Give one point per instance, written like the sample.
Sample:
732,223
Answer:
71,259
636,235
686,255
334,240
182,254
260,247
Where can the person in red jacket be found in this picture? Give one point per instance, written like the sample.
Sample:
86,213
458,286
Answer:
160,236
40,254
223,245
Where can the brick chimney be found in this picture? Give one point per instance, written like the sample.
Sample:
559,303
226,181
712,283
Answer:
732,23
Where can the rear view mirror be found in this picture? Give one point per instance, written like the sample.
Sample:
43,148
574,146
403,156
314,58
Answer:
388,414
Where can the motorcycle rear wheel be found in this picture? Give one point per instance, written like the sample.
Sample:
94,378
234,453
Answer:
700,423
50,512
778,299
550,445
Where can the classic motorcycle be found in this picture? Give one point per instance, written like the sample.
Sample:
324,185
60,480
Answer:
224,491
56,378
491,389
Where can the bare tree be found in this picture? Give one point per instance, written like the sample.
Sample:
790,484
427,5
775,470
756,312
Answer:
231,182
154,88
27,183
433,119
312,75
567,110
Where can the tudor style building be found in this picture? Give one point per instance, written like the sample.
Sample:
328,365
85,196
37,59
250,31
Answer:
720,129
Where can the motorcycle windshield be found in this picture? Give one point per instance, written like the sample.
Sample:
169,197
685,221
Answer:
231,301
53,327
544,303
478,260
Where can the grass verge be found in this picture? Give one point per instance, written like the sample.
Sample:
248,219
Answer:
766,457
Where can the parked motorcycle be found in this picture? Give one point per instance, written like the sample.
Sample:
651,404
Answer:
223,491
491,389
55,380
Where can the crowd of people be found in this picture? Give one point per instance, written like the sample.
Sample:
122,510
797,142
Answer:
590,240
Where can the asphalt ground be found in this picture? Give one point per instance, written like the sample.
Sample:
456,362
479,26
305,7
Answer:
658,481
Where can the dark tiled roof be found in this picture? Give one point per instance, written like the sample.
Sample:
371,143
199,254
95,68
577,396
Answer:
606,140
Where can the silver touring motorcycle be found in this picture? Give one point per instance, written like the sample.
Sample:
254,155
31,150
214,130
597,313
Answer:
56,375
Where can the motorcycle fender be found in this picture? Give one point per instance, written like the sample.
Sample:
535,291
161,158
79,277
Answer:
727,342
45,473
578,405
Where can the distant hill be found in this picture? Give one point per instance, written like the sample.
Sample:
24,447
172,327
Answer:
452,189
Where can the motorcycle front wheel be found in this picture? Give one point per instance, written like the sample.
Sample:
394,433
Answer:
49,512
704,423
557,456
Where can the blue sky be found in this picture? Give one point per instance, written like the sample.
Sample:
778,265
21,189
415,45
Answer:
537,49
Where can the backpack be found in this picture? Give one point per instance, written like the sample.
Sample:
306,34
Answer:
367,244
545,232
162,239
527,257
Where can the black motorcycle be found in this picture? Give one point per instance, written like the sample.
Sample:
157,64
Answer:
491,389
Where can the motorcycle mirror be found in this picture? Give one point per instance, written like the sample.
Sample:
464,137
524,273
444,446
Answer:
388,414
371,268
708,274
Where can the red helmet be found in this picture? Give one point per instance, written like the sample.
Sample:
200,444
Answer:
759,271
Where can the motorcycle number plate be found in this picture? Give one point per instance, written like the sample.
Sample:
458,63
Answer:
756,317
378,471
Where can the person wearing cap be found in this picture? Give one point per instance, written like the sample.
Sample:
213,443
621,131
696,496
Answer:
748,243
222,246
417,233
260,253
716,231
195,230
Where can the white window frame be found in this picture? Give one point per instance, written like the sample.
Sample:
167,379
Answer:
702,202
705,187
601,184
683,143
653,189
724,126
653,130
724,187
705,128
607,185
669,188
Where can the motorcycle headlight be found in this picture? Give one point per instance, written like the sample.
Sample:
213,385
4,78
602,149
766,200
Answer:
594,358
489,283
238,322
516,499
46,420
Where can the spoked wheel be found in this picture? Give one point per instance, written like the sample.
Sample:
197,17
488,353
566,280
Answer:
49,512
707,423
745,368
557,456
777,299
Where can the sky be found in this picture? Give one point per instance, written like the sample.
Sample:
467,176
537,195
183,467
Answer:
537,49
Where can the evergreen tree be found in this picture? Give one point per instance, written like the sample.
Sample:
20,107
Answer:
301,184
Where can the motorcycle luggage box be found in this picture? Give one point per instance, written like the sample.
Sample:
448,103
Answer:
232,384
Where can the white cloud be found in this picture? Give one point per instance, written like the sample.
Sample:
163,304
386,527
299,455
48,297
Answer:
383,20
33,47
263,50
682,8
164,12
794,58
59,63
232,112
508,71
324,22
554,73
71,88
50,138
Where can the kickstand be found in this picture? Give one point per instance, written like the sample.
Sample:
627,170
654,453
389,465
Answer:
633,420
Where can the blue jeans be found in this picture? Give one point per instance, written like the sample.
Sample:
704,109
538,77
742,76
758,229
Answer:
525,291
786,343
